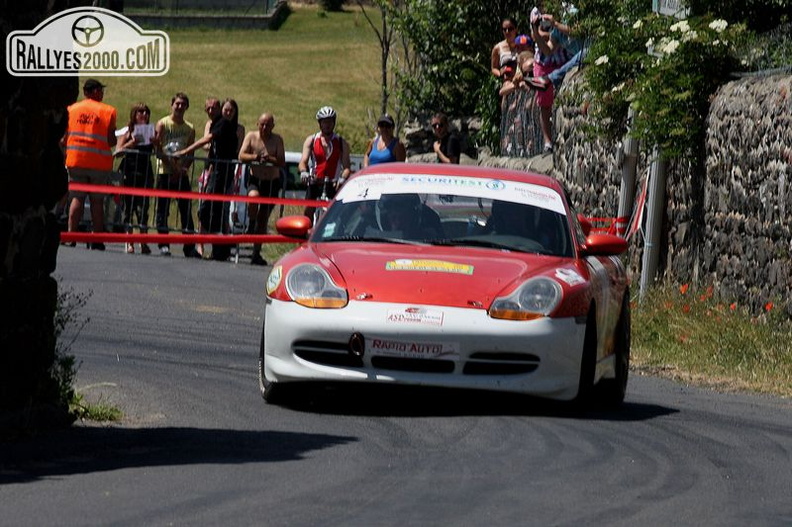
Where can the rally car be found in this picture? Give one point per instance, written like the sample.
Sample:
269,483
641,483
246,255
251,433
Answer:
449,276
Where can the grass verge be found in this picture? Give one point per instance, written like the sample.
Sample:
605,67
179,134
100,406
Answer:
692,337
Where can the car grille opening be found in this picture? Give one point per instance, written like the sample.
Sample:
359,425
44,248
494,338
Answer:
326,353
480,363
500,363
414,365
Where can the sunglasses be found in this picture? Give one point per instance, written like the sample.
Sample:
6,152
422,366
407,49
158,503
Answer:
507,29
437,126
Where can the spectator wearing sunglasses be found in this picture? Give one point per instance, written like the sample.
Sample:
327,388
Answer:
386,147
446,146
504,53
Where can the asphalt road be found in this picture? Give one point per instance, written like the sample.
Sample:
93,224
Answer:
174,342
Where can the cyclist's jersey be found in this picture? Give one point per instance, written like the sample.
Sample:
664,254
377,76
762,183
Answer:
326,163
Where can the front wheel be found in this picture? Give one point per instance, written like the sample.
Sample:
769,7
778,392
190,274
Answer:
588,364
613,390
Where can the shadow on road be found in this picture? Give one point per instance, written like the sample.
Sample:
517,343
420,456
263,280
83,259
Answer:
408,401
81,450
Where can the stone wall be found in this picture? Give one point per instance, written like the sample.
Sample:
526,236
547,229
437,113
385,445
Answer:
747,195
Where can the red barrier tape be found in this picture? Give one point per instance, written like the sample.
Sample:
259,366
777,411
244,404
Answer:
217,239
175,194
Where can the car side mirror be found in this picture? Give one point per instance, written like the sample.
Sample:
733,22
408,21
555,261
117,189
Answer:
293,226
604,245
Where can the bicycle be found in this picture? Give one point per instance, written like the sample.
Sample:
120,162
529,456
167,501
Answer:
324,196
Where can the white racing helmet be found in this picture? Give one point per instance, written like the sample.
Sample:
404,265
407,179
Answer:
325,112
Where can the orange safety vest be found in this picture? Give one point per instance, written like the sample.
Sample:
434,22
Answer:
86,142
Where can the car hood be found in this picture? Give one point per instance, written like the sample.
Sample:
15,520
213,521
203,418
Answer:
446,276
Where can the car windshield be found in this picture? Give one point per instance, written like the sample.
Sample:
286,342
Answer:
517,217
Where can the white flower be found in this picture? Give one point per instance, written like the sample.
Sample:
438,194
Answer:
682,26
618,87
690,35
718,25
637,24
670,47
716,43
602,60
650,43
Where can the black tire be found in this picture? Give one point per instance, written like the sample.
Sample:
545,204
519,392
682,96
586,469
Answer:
588,364
612,391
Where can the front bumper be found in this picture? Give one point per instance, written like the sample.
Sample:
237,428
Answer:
422,345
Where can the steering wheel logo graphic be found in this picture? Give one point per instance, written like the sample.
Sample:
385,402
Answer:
87,31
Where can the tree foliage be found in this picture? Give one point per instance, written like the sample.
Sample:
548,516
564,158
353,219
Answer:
666,69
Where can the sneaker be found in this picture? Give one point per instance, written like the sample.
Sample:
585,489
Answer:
538,83
144,248
130,249
256,259
97,246
165,251
192,253
548,148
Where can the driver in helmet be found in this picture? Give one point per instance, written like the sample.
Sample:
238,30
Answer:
406,215
325,158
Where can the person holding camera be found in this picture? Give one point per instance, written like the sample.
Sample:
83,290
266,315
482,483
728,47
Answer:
550,55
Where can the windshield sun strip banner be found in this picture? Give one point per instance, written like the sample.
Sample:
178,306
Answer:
372,187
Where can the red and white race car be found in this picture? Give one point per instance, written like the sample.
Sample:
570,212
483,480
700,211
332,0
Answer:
449,276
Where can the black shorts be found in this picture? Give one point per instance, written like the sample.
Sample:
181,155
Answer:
314,190
266,187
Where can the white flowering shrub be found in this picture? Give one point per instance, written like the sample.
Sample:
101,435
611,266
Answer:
667,69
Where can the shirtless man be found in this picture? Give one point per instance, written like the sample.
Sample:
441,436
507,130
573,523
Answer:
266,148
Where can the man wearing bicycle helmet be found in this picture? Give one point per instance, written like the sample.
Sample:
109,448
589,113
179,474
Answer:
324,164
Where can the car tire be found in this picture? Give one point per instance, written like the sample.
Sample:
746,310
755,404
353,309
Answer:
612,391
588,364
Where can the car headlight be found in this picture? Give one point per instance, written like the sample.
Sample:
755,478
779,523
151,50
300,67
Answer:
309,285
536,298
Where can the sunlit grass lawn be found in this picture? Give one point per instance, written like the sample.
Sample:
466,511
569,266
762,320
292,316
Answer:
312,60
692,337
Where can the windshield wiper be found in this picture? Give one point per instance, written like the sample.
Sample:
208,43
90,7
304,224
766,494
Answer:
373,239
461,242
477,242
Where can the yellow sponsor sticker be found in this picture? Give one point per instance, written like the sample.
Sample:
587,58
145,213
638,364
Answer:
436,266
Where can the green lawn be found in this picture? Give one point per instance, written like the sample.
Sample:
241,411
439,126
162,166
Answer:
313,59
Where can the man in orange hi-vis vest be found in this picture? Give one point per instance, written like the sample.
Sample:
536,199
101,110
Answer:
89,157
